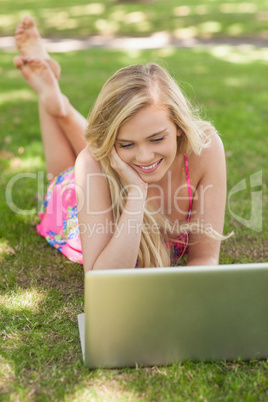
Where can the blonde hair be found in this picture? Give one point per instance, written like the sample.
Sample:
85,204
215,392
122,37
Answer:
129,90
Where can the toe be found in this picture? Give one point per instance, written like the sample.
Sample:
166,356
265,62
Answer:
18,61
28,21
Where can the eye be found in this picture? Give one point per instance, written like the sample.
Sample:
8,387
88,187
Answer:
125,146
158,139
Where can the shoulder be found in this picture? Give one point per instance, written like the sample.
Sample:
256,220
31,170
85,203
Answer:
85,162
88,170
211,159
91,183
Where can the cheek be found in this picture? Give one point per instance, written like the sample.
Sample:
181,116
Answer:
123,154
172,146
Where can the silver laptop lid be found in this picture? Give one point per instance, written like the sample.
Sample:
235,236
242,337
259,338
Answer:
159,316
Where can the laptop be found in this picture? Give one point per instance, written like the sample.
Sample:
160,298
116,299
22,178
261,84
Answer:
158,316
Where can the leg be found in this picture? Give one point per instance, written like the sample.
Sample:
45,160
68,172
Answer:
72,123
58,152
61,137
61,125
39,76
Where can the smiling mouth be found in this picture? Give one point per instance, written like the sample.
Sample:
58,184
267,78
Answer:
150,167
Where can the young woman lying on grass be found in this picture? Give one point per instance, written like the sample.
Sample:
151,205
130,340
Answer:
149,182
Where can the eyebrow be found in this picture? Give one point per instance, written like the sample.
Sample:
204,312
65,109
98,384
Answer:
150,136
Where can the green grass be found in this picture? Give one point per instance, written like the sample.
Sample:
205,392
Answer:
205,19
41,292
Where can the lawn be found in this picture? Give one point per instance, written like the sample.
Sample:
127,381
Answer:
194,18
41,292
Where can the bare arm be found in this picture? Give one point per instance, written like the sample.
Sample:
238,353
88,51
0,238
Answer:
209,204
104,245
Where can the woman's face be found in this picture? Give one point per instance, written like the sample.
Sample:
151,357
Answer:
148,143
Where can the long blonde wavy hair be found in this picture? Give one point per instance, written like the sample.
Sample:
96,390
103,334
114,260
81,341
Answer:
129,90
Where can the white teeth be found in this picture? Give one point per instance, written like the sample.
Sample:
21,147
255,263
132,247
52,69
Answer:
149,167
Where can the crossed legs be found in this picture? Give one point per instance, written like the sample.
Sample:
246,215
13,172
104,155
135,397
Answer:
62,126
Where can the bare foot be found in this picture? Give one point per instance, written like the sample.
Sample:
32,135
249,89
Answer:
29,43
39,76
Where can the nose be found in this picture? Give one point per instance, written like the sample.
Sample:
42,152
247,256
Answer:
144,155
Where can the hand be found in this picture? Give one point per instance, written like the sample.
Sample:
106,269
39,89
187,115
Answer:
130,177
